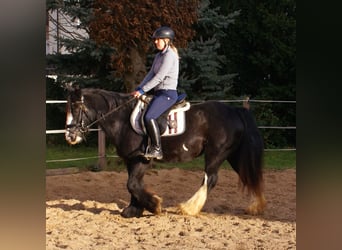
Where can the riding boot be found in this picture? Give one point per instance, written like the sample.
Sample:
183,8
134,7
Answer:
155,150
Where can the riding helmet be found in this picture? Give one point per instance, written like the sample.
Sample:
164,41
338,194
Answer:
164,32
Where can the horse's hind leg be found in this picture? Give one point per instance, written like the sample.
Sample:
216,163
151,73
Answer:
257,206
258,203
140,198
195,204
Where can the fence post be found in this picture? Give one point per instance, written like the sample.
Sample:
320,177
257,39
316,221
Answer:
102,162
245,103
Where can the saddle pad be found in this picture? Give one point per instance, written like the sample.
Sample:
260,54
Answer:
175,119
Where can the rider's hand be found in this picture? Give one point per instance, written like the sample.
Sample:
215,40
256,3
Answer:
136,94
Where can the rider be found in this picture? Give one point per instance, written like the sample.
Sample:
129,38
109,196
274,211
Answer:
163,79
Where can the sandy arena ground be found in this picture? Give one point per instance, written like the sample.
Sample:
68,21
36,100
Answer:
83,212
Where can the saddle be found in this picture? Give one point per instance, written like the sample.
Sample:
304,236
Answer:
171,122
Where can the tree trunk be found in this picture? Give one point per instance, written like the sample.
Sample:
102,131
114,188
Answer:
138,70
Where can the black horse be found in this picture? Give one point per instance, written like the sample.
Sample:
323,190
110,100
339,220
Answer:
218,131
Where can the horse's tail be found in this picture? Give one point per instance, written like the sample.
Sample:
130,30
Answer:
248,158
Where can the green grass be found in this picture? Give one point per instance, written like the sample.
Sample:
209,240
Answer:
273,159
57,156
280,159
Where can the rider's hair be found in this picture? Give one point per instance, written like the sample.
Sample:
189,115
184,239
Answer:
173,47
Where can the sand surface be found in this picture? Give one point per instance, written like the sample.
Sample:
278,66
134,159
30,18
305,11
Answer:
83,212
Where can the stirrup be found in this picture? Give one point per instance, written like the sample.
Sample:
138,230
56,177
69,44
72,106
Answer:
154,152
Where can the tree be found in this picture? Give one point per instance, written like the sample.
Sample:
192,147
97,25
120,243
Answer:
84,61
261,48
127,26
202,63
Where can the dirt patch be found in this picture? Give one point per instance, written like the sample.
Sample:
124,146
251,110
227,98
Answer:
83,212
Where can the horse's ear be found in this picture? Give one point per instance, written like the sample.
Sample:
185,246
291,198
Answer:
69,87
77,90
72,87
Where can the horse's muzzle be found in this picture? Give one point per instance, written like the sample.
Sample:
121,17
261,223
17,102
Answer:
73,135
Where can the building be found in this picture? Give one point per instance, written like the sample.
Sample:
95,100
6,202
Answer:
59,25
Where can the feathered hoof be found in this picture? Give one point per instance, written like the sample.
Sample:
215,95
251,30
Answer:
186,209
131,211
158,208
257,207
195,204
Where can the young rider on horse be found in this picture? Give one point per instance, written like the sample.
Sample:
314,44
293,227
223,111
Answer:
163,79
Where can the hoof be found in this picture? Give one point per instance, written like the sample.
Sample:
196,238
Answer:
158,208
154,205
257,207
195,204
130,212
183,210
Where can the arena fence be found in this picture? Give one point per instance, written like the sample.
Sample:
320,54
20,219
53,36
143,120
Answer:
102,140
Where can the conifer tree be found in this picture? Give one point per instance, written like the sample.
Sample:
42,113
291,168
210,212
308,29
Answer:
203,74
261,47
86,62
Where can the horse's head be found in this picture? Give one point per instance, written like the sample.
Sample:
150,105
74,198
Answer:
76,116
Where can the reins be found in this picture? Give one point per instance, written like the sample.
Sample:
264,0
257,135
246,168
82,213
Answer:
111,111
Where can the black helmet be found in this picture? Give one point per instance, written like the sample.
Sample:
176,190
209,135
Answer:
164,32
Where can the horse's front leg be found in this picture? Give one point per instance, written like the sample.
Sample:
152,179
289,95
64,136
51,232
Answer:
140,198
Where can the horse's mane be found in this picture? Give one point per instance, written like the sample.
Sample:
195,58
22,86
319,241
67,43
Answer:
112,98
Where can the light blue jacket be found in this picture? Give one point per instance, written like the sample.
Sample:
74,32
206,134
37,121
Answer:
163,73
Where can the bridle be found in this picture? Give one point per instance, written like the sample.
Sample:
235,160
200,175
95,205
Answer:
80,125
